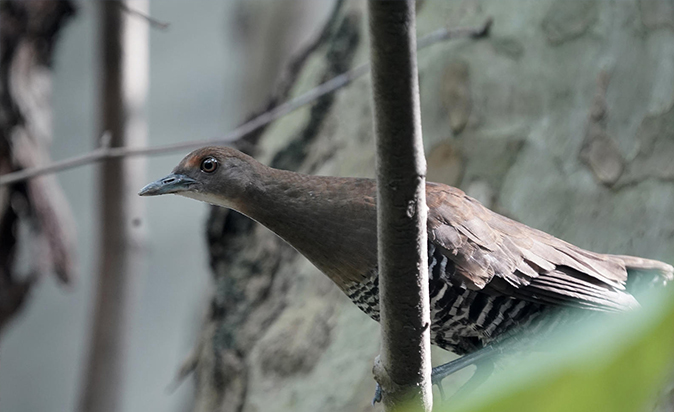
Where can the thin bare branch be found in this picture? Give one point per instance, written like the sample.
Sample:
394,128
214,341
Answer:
262,120
154,23
445,34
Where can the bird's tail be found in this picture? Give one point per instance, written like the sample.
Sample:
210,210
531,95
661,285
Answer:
657,273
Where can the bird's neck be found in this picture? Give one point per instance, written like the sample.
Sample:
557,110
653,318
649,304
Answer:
330,220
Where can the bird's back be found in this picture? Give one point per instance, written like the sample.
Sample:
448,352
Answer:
490,276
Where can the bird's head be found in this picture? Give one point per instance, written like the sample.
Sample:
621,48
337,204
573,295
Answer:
216,175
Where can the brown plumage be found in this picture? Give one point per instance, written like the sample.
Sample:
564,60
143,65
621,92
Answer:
500,255
489,274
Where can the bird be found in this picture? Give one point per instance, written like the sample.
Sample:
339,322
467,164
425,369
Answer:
489,276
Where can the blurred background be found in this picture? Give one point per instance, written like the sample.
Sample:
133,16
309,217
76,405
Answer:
196,91
562,118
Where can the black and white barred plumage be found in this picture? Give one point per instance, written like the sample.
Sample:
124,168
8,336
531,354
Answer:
462,320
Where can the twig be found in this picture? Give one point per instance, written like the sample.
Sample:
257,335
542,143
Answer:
157,24
265,118
456,33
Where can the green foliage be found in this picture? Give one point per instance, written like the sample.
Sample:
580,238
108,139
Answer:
616,363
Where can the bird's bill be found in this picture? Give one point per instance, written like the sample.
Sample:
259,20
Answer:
173,183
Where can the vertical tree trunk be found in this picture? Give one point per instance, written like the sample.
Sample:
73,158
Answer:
124,72
404,366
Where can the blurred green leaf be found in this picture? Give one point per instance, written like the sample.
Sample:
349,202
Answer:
615,363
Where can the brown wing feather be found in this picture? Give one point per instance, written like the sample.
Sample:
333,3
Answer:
495,253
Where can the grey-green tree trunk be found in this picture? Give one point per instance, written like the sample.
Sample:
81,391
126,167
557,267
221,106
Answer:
562,119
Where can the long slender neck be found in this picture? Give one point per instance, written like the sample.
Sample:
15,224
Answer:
330,220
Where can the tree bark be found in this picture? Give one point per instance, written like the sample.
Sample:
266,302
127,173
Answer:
403,369
28,34
505,119
124,73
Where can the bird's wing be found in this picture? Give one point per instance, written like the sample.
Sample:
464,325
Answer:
499,255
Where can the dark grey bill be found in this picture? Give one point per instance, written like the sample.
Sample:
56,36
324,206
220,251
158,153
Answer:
172,183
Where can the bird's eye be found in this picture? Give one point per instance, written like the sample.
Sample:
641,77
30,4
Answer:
209,165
